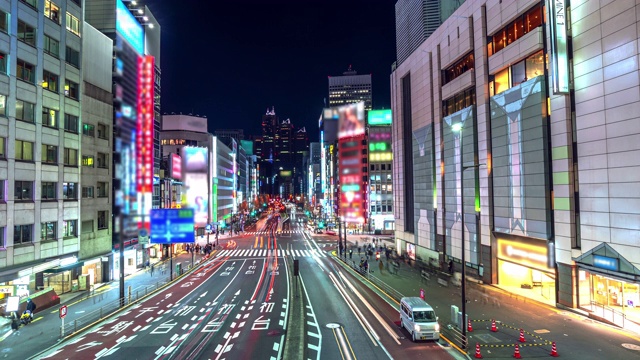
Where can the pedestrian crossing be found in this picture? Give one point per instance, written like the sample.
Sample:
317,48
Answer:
257,253
277,232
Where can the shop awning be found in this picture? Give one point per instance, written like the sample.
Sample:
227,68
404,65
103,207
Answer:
605,259
59,269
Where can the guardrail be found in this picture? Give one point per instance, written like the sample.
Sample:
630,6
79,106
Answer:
393,293
608,314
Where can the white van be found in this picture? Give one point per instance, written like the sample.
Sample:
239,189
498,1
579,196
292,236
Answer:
419,318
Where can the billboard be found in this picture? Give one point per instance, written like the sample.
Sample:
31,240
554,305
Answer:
195,166
129,28
144,135
351,120
379,117
176,167
170,226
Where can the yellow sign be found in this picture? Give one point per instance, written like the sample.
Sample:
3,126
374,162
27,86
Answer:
8,289
527,254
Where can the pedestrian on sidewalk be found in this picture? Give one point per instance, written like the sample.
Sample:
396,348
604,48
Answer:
450,266
151,270
380,266
387,265
350,254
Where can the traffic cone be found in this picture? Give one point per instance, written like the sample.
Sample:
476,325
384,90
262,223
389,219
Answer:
493,326
554,351
516,352
478,355
469,327
522,336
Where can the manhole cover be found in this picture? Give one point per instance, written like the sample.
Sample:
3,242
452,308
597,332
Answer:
333,325
631,347
487,338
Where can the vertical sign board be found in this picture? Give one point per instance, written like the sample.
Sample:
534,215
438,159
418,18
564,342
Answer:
144,135
559,56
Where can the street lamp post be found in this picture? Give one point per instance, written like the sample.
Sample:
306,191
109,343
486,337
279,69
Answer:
458,128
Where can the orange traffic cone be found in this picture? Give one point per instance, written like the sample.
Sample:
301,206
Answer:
493,326
554,351
478,355
522,336
516,352
469,327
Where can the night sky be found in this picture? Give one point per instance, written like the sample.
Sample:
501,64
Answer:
230,60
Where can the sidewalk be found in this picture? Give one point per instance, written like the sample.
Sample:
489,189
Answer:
484,303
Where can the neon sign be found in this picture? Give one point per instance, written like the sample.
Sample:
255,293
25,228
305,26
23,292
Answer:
144,132
129,28
379,117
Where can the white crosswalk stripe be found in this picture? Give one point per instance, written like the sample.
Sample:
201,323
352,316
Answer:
261,253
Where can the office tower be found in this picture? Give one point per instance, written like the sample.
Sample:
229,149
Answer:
416,20
350,88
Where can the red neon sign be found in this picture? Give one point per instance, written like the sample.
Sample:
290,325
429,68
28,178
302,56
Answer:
144,126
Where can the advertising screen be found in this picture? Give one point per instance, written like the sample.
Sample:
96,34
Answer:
176,167
379,117
351,120
129,28
170,226
194,175
144,135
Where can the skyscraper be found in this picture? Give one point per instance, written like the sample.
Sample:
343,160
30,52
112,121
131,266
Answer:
416,20
350,88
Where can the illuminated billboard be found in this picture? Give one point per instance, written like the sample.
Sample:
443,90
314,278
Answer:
285,173
379,117
194,174
170,226
144,136
129,28
351,120
176,167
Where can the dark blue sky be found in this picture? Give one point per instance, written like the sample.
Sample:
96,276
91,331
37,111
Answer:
230,60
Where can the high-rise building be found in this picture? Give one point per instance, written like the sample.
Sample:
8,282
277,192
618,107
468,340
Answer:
416,20
45,86
515,152
380,190
237,134
350,88
136,52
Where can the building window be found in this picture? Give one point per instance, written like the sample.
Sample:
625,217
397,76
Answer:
87,226
49,117
3,63
73,24
32,3
72,57
52,11
88,130
3,245
69,191
2,182
26,33
22,234
51,46
71,89
87,160
48,231
102,160
24,150
23,190
49,154
3,148
458,68
3,105
103,189
70,228
71,123
458,102
87,192
70,157
102,220
26,71
50,81
522,25
49,191
77,2
3,21
25,111
102,131
517,73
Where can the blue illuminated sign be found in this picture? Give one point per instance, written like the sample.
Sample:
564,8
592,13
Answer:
605,262
129,28
170,226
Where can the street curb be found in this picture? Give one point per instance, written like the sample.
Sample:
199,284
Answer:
79,331
295,341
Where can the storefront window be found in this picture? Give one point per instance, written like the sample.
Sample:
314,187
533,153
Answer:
502,81
535,65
